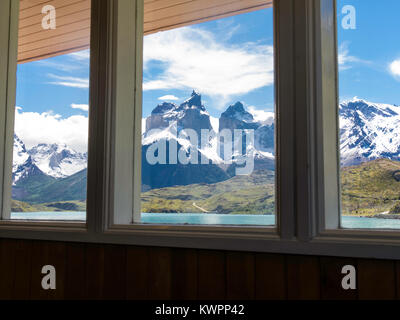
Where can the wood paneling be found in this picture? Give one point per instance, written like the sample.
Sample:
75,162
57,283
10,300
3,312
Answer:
270,277
303,277
211,275
376,279
72,31
331,279
87,271
240,275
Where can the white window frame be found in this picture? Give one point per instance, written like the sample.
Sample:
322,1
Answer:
307,173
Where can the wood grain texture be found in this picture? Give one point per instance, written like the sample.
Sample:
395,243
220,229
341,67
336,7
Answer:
211,275
184,274
94,271
7,268
240,275
88,271
22,275
114,272
137,276
159,267
331,279
303,277
73,20
75,276
270,277
376,279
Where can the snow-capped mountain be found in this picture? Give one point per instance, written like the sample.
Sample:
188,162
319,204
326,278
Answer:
20,155
167,121
57,161
368,131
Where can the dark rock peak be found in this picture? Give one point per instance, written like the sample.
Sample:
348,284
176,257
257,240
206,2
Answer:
195,99
164,107
238,112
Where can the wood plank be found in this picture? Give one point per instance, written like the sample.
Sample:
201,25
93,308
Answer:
184,274
94,271
200,9
270,277
64,25
303,277
43,53
40,258
75,277
26,4
114,272
21,288
137,276
376,279
57,257
161,4
397,280
159,273
152,25
7,268
62,8
240,275
54,41
211,275
331,279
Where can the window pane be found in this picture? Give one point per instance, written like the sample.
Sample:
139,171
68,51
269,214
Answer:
208,153
51,114
369,74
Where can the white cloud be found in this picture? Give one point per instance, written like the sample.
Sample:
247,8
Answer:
168,97
346,60
195,59
72,82
265,117
83,55
83,107
395,68
71,62
34,128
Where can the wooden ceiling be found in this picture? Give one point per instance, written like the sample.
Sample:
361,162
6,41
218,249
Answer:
72,31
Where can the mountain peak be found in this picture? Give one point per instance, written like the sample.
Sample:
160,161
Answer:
238,112
194,100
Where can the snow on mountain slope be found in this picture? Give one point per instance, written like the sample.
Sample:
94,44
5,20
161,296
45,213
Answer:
368,131
20,155
58,161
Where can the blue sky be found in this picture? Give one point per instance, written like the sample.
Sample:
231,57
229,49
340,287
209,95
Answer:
370,50
226,60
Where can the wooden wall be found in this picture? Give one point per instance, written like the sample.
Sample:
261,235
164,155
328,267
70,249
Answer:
128,272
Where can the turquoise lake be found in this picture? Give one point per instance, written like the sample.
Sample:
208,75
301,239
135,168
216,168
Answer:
209,219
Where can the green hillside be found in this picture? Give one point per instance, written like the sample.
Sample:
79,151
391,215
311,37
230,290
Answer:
43,189
370,188
253,194
19,206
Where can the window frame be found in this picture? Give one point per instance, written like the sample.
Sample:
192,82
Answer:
307,198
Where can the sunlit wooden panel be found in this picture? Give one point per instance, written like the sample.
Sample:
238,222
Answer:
73,21
168,14
72,31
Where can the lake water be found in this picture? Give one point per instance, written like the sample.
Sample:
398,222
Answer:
209,219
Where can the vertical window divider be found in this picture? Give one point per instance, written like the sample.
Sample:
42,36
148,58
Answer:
8,67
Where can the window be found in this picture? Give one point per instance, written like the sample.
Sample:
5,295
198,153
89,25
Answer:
49,162
369,114
208,142
163,165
